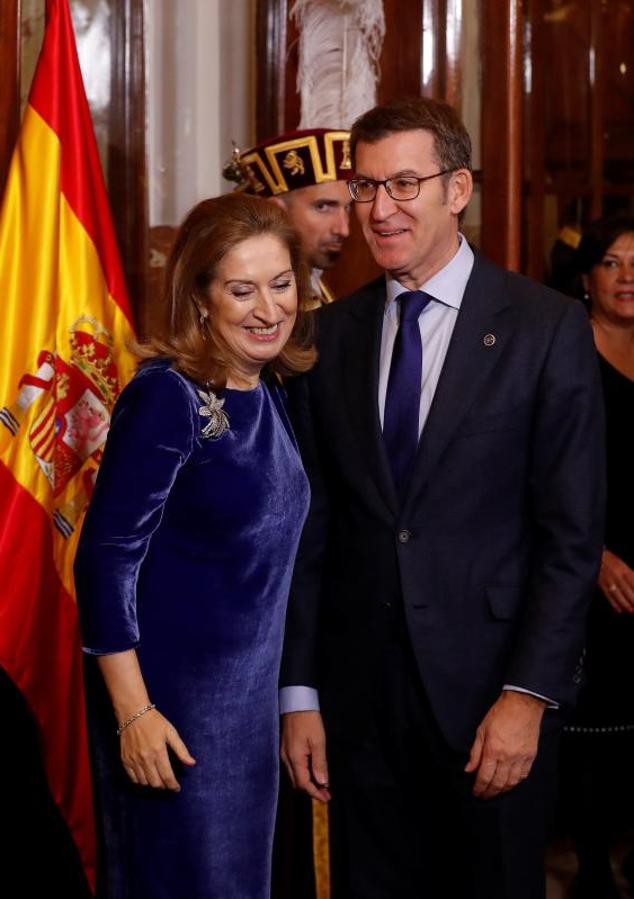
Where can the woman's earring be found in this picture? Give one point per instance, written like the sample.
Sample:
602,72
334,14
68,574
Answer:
202,318
586,297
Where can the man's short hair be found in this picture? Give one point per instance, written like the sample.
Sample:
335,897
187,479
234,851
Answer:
451,139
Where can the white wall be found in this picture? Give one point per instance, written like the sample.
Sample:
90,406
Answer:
200,95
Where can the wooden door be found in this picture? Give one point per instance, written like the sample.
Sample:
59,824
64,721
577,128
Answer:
578,118
558,123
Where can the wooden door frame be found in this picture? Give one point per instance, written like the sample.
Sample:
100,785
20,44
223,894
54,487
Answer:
502,109
127,162
271,37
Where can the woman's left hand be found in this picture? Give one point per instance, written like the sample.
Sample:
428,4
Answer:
144,751
616,580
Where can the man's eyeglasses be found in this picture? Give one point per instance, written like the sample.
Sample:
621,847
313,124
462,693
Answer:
401,187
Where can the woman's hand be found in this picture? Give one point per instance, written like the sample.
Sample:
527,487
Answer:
616,580
144,752
145,739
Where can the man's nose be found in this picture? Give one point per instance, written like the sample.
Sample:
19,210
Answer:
341,224
383,205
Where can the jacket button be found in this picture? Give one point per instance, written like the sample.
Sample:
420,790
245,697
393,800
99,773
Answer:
386,605
403,536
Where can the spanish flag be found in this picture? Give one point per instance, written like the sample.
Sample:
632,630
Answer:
64,324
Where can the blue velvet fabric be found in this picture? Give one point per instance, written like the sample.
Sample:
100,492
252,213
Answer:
186,554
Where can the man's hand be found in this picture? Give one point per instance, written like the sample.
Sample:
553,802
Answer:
505,745
304,753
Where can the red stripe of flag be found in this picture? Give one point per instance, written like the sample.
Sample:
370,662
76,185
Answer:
42,630
57,94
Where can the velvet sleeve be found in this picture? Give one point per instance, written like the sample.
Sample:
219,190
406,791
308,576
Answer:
150,438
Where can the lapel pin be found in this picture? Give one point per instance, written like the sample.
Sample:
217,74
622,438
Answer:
489,339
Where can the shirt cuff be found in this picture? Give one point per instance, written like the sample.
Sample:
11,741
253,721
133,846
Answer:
550,703
298,699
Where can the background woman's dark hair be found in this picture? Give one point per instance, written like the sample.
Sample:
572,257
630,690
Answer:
209,232
598,237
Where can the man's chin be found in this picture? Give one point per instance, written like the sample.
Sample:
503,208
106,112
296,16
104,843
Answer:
326,259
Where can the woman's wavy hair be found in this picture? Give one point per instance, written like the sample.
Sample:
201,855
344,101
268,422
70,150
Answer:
211,230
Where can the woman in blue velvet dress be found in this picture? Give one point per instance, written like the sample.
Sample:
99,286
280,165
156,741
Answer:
184,566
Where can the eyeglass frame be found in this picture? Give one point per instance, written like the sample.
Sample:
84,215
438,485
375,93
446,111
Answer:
386,183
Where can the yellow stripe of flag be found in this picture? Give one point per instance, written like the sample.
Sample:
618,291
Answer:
50,262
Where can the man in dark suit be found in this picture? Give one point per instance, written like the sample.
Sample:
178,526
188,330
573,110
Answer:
452,433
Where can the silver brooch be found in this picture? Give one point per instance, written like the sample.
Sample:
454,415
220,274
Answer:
218,421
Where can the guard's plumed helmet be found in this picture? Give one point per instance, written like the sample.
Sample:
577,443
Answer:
296,159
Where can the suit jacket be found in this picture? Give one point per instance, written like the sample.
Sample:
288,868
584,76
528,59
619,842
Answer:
494,551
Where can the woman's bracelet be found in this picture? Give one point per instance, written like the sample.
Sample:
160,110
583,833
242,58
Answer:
146,708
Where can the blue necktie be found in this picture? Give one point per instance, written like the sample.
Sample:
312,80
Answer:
402,400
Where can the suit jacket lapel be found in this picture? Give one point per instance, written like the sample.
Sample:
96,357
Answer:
361,379
480,335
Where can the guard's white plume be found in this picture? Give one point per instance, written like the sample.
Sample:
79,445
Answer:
339,50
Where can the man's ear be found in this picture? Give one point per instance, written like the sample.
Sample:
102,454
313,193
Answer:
460,190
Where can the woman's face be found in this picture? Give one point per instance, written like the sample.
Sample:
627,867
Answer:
611,281
253,304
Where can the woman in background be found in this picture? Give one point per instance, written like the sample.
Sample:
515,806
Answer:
598,757
184,565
